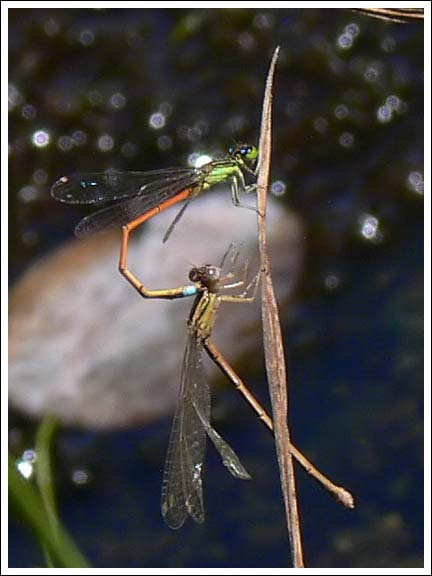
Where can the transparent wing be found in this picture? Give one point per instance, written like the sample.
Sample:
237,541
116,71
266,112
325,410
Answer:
182,493
127,210
229,457
103,187
130,193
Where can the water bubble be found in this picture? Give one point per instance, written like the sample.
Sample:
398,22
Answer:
105,142
40,176
79,137
65,143
117,101
341,111
51,27
320,124
396,104
415,177
372,73
164,142
420,188
278,188
331,282
392,101
352,29
415,182
263,20
369,227
346,140
41,138
28,111
193,134
345,41
95,97
28,193
246,41
157,121
29,455
80,477
292,109
86,37
384,114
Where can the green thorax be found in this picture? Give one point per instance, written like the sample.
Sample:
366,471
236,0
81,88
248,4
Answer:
219,171
241,158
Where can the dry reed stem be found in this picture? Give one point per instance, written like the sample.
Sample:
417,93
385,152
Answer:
273,348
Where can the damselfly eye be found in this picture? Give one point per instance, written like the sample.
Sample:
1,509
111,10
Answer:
251,153
231,150
212,272
194,275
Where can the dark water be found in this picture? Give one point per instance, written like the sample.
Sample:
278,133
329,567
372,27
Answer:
348,147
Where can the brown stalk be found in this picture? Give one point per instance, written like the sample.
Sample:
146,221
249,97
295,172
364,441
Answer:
399,15
273,348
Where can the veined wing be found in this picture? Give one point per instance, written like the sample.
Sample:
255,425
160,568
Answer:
104,187
229,457
182,493
125,210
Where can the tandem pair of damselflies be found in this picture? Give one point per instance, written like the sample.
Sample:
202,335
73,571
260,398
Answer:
182,493
136,197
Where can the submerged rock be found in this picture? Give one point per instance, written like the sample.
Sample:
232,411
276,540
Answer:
85,346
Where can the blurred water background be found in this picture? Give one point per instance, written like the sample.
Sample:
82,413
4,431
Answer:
142,89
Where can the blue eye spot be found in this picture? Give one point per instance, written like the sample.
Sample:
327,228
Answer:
230,150
243,151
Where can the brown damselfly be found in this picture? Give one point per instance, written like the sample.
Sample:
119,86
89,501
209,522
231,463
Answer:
182,493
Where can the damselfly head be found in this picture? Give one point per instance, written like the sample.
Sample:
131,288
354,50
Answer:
244,152
208,276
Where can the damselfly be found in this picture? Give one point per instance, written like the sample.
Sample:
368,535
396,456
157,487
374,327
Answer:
131,198
182,493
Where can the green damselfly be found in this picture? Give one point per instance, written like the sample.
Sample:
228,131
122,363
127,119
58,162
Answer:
137,196
131,198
